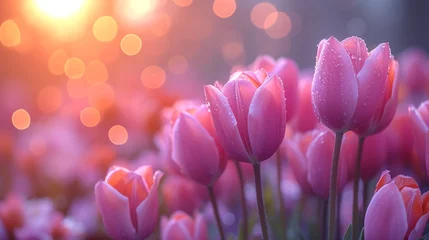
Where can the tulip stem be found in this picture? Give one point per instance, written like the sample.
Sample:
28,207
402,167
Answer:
216,212
245,228
355,221
280,194
365,197
333,187
260,200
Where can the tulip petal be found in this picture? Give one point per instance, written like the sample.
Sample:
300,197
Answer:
288,72
240,93
402,181
386,217
372,86
267,119
225,124
115,211
266,62
148,210
357,50
417,232
334,84
413,204
384,179
298,164
195,150
200,228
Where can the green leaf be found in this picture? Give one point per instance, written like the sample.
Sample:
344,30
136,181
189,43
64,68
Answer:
348,234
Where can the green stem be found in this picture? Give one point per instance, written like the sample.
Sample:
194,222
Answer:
333,187
260,200
245,228
355,221
365,197
280,194
216,212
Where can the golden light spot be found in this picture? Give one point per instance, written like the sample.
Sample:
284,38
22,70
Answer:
77,88
260,12
161,24
182,3
10,36
131,44
60,8
105,29
74,68
232,50
37,145
96,72
90,117
224,8
178,64
153,77
101,96
133,12
280,28
49,99
57,62
21,119
118,135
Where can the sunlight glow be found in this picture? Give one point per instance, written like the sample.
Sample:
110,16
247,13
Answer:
60,8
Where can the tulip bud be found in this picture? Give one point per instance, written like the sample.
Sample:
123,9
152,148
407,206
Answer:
181,226
128,202
420,123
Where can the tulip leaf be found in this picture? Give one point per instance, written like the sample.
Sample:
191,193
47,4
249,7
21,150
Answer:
348,234
362,234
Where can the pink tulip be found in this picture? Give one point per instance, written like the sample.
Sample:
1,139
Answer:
413,70
128,202
420,126
287,70
195,146
319,155
398,210
361,86
181,226
249,115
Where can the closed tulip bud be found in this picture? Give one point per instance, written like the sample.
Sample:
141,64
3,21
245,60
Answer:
305,119
413,70
420,123
181,226
249,115
287,70
195,146
128,202
398,210
361,85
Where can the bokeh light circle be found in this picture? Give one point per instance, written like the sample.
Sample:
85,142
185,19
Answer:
74,68
224,8
105,29
118,135
153,77
131,44
10,36
90,117
21,119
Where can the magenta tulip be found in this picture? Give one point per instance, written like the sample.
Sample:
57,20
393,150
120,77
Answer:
249,114
181,226
128,202
420,123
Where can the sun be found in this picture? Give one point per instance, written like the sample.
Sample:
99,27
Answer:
60,8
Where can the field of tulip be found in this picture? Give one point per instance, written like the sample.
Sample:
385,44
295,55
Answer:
106,131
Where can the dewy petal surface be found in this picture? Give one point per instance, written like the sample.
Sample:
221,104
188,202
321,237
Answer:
386,217
225,124
115,211
357,50
334,84
267,119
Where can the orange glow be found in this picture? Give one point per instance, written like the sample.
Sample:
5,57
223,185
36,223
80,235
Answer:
60,8
21,119
90,117
280,28
105,29
153,77
49,99
224,8
10,36
131,44
161,24
74,68
37,145
101,96
96,72
178,64
134,12
260,12
77,88
57,62
118,135
182,3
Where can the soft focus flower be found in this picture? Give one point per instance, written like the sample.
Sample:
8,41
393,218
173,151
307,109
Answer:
420,123
287,70
249,114
398,210
128,202
195,147
361,86
181,226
